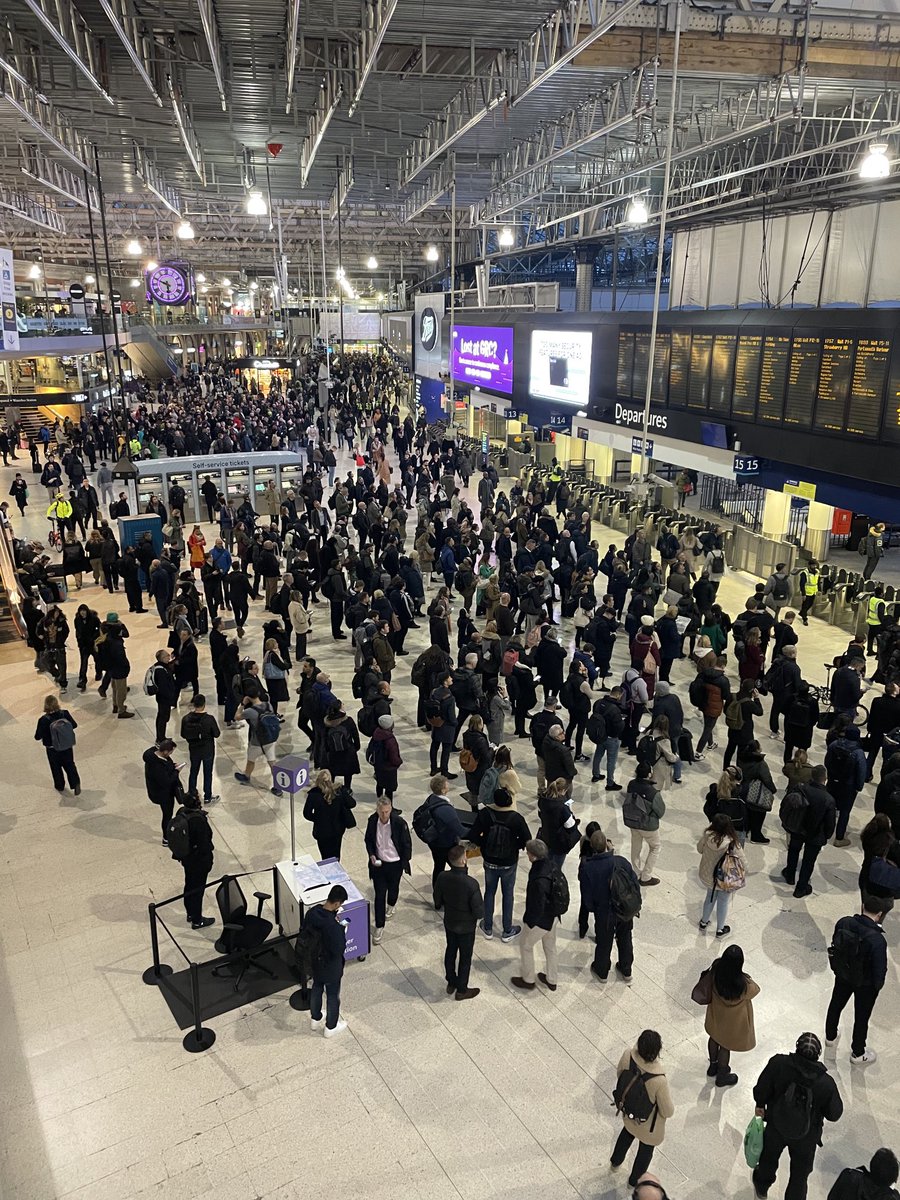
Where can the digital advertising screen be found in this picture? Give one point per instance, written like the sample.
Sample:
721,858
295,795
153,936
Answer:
482,355
560,366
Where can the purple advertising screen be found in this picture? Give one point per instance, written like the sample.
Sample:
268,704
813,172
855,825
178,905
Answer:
483,357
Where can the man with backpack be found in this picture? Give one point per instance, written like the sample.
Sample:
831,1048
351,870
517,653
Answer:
541,724
189,838
437,824
858,957
605,727
642,808
611,891
546,901
160,683
777,591
440,713
783,680
808,817
874,1182
795,1095
322,942
262,734
500,833
468,692
845,763
200,730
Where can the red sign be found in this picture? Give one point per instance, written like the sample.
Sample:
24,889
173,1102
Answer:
274,148
840,522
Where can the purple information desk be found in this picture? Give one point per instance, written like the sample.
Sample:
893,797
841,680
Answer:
303,882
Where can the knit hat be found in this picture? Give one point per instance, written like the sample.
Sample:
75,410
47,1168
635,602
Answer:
386,722
647,621
112,618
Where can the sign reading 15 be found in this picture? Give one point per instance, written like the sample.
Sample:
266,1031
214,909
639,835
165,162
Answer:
745,465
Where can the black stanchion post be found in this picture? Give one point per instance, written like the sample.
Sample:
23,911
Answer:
197,1039
299,1001
153,974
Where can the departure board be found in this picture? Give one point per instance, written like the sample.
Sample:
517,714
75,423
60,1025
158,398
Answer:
867,386
834,383
641,364
625,365
701,354
724,346
661,353
773,376
679,368
803,378
746,375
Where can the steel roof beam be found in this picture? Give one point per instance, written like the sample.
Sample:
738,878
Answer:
344,184
121,15
376,19
293,31
147,170
207,10
37,166
430,191
327,102
186,129
46,122
70,31
27,209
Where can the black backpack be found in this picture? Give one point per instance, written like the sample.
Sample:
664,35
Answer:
366,721
840,764
697,692
781,588
178,835
308,950
596,727
499,844
624,893
559,893
793,810
848,957
647,750
424,825
630,1095
566,694
336,740
356,685
791,1112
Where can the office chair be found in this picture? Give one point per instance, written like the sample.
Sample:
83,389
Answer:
242,935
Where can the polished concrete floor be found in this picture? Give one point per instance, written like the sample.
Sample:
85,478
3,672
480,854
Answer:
504,1097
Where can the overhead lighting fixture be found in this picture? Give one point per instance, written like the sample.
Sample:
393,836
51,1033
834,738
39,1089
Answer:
34,271
151,265
134,248
185,231
506,238
226,283
372,262
256,205
431,254
134,283
254,286
89,279
380,296
875,165
201,278
204,290
637,212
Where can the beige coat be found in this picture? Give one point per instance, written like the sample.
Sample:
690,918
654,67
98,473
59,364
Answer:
710,852
652,1132
730,1022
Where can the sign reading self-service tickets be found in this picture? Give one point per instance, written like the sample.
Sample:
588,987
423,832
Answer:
8,301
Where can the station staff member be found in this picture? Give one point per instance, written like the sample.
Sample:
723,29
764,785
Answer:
809,587
874,619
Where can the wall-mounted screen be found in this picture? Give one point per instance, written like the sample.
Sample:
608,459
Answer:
482,355
560,366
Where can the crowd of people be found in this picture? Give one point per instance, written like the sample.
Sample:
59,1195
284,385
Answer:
517,700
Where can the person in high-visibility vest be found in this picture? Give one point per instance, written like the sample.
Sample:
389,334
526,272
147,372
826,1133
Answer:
874,614
809,586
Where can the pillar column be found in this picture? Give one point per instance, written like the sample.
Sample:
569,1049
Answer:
818,529
776,507
584,279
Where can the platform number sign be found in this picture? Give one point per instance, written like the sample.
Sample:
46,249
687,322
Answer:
291,774
746,464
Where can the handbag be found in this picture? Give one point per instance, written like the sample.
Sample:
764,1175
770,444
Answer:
467,761
569,837
701,993
759,796
826,719
753,1141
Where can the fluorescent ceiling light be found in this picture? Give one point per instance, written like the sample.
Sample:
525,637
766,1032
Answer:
431,254
637,213
254,286
135,283
201,278
875,165
506,238
152,264
226,283
89,279
34,271
372,262
256,205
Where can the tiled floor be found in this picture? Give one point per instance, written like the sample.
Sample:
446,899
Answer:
507,1096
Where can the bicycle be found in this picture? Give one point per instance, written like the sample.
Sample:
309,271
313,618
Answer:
822,694
54,538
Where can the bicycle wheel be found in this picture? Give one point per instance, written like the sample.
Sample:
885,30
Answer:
862,716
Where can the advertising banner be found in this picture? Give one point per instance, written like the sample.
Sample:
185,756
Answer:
560,366
8,301
483,356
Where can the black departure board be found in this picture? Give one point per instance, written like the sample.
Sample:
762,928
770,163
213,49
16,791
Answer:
746,375
773,376
867,386
641,364
724,346
661,354
803,378
701,354
679,368
625,365
834,383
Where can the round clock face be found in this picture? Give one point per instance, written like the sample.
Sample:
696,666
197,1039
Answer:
168,285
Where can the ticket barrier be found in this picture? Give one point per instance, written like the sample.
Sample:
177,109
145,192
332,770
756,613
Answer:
845,613
619,515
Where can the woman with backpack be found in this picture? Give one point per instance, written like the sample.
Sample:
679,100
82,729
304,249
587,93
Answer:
643,1098
56,732
384,755
275,674
341,744
728,994
476,756
739,714
724,796
328,808
757,789
719,846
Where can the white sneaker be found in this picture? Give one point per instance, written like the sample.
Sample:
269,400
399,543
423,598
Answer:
377,936
831,1047
314,1024
339,1028
213,800
390,911
863,1060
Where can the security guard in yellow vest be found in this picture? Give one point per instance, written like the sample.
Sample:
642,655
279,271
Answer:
809,586
874,617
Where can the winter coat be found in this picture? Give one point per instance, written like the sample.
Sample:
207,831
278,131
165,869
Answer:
400,836
711,851
730,1022
652,1132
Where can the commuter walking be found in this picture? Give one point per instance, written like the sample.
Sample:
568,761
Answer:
56,732
162,782
874,1182
858,957
546,900
200,730
722,865
459,895
845,764
643,1098
196,857
329,809
642,808
808,817
323,924
437,824
389,847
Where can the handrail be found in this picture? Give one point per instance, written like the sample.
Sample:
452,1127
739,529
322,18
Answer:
10,582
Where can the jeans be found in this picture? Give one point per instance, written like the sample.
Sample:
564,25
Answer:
802,1155
721,902
386,882
844,808
332,994
506,877
863,1002
205,759
64,761
639,839
706,737
807,865
610,748
676,767
608,930
527,942
458,958
445,746
641,1159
